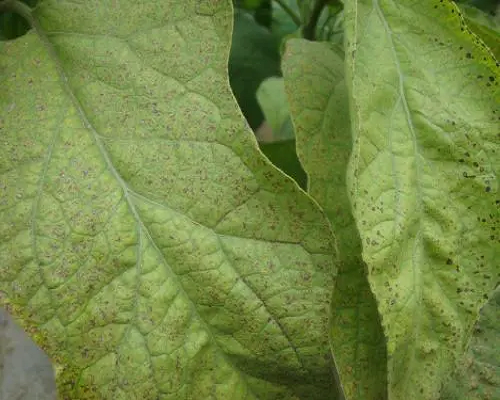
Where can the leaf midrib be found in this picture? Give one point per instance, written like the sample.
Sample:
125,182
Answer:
417,270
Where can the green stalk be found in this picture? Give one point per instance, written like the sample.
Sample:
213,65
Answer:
289,11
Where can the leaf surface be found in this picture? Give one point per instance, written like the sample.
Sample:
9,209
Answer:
423,180
478,374
485,26
145,243
314,80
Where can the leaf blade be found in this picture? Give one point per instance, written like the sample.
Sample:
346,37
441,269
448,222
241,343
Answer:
314,79
424,136
133,205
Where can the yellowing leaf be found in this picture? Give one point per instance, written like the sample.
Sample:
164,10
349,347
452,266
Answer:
478,374
314,80
145,243
423,180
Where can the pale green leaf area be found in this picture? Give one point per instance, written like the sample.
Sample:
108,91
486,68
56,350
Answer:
478,375
273,102
145,243
423,180
314,80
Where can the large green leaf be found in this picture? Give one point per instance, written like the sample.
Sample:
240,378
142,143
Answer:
478,375
145,243
314,79
423,179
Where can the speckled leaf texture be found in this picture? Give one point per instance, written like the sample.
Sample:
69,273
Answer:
145,242
314,80
478,375
423,179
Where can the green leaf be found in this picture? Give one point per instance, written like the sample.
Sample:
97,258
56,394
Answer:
294,35
478,375
329,26
284,156
145,243
314,80
423,180
487,6
251,4
283,24
484,26
273,102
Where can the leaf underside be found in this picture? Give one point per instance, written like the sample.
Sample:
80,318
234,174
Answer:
145,242
423,179
314,77
478,373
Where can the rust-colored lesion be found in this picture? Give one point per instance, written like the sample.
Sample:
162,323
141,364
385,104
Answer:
264,133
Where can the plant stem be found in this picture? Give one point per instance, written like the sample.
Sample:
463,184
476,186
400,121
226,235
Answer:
17,7
290,12
309,31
